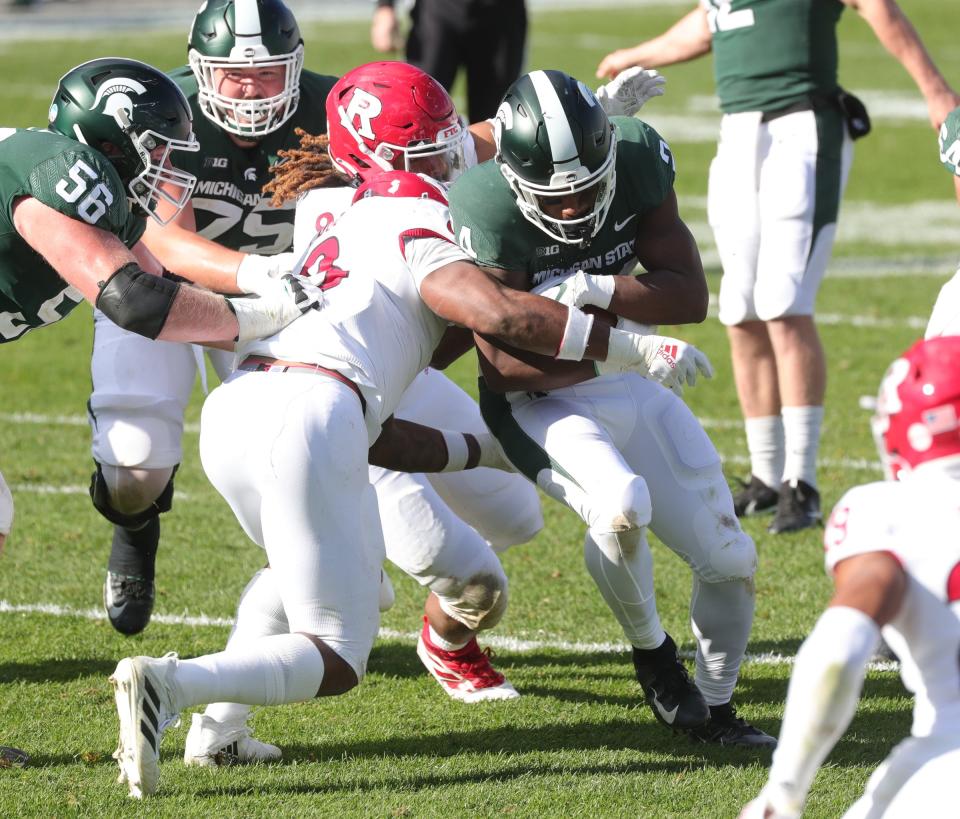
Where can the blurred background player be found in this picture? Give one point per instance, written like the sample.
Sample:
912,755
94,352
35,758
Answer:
775,185
945,318
485,37
247,92
893,552
572,191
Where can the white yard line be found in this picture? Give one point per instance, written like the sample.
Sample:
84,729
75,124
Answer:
501,641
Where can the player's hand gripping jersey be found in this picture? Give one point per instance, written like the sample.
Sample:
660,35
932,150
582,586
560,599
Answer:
373,325
918,523
74,180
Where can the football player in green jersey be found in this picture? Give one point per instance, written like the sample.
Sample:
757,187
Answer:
774,192
578,198
945,318
74,200
248,92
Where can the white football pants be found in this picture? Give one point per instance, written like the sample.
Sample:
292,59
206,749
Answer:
623,453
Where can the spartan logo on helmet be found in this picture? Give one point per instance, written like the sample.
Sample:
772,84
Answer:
554,141
236,39
136,117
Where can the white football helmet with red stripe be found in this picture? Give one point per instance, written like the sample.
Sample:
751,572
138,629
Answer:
918,409
384,116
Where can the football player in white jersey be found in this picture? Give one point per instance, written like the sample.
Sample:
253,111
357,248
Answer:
285,440
893,551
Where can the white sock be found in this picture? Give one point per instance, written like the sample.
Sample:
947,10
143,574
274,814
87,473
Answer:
622,567
268,671
801,435
765,445
441,642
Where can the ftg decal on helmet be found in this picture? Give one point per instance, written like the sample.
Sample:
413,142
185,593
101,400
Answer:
236,35
137,117
384,112
553,140
917,416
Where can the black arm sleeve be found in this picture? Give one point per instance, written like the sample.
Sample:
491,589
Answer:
136,301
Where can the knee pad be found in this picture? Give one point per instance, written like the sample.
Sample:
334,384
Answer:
128,501
479,602
630,508
733,559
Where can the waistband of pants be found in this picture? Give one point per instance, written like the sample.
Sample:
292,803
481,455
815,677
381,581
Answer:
814,102
265,364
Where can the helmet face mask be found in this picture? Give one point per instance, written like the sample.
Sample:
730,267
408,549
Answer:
232,41
392,116
553,141
917,417
137,117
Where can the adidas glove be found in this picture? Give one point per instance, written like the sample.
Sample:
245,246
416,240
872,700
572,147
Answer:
256,273
287,298
668,361
627,93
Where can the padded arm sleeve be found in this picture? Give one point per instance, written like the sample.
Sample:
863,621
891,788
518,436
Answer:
135,300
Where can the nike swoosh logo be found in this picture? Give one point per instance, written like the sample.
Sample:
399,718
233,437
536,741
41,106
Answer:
618,226
668,716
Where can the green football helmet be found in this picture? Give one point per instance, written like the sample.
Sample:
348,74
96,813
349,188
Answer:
137,117
554,139
232,35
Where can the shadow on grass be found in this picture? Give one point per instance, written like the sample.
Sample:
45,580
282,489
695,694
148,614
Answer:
57,670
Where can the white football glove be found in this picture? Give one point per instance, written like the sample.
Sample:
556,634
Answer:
491,453
288,298
668,361
6,511
256,273
579,289
627,93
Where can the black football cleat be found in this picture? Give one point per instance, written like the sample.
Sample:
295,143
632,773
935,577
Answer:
798,507
754,497
725,728
128,602
672,696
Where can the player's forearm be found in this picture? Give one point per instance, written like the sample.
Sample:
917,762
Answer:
661,297
406,446
201,317
822,697
195,258
898,36
686,39
506,369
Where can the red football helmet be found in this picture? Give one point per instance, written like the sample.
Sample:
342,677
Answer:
390,115
918,409
401,184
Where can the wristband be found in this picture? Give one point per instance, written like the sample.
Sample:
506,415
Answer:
458,452
575,335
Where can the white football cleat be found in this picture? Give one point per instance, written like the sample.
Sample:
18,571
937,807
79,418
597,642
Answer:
213,744
465,674
145,704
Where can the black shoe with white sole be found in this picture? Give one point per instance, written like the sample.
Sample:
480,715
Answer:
798,507
754,497
672,696
725,728
128,602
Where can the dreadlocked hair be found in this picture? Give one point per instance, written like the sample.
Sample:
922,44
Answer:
302,169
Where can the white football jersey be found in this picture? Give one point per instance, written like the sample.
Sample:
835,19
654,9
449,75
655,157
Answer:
316,211
372,326
945,318
917,520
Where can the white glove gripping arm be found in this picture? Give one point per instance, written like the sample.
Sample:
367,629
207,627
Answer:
626,93
585,288
821,700
256,274
668,361
6,507
288,298
468,450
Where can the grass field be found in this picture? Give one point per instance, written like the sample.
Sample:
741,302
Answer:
578,743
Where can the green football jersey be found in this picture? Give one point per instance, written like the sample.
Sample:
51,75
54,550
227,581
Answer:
227,202
770,54
489,226
73,179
